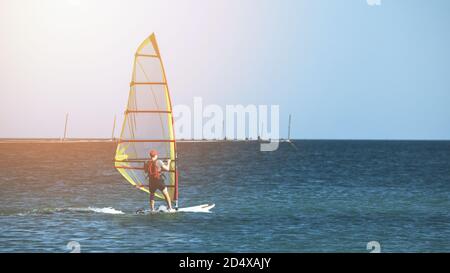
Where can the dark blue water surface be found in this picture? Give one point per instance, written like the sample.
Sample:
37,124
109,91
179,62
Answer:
324,196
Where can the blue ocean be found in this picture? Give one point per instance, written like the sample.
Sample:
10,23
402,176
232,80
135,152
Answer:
319,196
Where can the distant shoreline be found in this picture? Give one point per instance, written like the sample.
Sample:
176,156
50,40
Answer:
108,140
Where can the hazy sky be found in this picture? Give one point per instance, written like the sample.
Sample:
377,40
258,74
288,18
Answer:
344,69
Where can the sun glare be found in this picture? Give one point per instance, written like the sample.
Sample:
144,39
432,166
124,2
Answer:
75,2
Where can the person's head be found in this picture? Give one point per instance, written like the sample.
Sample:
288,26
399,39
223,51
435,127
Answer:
153,154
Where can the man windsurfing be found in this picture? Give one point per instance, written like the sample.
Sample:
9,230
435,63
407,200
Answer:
153,169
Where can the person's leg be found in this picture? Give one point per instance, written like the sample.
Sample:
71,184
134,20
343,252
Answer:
167,197
152,201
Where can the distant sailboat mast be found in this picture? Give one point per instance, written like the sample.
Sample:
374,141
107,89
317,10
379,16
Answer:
289,129
65,127
224,130
288,140
113,129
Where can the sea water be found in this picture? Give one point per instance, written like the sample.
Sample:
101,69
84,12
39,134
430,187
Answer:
322,196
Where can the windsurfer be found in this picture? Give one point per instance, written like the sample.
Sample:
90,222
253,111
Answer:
153,168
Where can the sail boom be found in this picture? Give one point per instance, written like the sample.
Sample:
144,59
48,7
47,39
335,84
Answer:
145,186
140,168
143,159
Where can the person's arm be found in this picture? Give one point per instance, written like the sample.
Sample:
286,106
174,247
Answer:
166,167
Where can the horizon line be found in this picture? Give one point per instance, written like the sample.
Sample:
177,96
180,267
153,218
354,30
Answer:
100,139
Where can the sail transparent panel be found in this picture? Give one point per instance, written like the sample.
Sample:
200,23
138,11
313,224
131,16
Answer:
137,127
148,69
148,98
148,122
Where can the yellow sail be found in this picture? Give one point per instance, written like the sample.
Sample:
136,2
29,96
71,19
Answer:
148,122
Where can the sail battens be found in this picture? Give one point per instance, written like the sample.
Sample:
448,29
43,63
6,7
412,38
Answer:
147,55
146,140
149,111
129,167
146,186
147,83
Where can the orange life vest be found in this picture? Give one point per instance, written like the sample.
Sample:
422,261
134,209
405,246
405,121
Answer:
153,172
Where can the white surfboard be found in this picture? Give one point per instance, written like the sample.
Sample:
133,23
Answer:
205,208
199,208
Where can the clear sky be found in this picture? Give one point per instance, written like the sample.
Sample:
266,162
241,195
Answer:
344,69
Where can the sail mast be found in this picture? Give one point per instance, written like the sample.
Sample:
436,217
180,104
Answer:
175,194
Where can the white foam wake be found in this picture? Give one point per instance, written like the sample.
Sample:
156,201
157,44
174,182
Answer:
108,210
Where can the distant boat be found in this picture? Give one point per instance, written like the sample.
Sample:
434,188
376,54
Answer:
64,138
288,140
260,139
289,130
